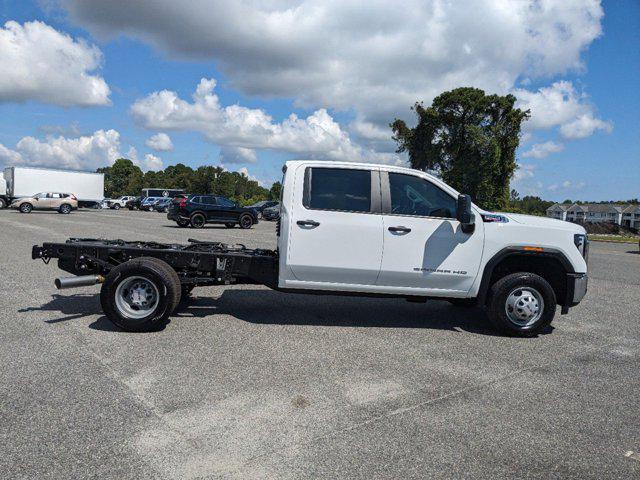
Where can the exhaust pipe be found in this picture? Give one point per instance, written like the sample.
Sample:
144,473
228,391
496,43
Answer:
80,281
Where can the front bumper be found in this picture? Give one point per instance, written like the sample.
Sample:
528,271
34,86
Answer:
576,290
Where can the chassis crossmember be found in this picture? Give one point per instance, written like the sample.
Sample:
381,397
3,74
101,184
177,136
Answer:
197,263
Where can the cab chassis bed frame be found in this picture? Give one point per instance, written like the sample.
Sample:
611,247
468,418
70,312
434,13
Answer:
197,263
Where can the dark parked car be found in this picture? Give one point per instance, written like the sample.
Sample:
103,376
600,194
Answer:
260,206
147,203
198,210
134,203
162,205
271,213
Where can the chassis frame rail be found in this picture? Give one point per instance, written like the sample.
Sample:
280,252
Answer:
197,263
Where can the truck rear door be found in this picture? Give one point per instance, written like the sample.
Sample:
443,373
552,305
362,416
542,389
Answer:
335,227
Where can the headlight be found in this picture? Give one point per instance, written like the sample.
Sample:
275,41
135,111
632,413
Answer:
582,244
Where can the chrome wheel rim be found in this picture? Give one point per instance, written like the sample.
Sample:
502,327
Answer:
65,209
136,297
524,306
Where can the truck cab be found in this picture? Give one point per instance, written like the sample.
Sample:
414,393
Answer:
386,230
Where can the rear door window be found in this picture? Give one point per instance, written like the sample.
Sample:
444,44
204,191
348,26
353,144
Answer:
341,189
225,202
208,200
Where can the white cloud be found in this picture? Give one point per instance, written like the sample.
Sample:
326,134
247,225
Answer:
542,150
160,142
523,172
86,152
375,60
560,105
584,126
566,185
151,162
317,136
41,64
237,155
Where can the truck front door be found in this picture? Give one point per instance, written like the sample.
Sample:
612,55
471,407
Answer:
424,245
335,227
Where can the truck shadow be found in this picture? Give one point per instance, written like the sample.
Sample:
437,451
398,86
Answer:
275,308
75,307
269,307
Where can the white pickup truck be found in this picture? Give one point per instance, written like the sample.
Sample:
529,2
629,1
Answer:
354,229
120,202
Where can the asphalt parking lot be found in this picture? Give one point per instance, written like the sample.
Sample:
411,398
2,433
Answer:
250,383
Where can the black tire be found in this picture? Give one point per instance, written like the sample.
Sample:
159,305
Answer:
160,275
3,204
26,208
65,208
521,284
245,221
198,220
116,206
183,223
463,302
229,225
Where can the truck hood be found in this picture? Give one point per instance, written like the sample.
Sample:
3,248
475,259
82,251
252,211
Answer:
544,222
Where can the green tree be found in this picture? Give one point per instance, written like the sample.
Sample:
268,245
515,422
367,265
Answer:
274,192
469,139
122,178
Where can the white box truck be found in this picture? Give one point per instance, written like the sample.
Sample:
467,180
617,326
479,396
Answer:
27,181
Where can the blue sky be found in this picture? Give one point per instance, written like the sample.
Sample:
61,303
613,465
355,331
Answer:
83,80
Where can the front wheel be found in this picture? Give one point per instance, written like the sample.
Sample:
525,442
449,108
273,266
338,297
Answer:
245,221
65,209
522,304
26,208
116,207
139,295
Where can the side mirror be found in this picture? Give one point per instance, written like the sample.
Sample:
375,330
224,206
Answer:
463,213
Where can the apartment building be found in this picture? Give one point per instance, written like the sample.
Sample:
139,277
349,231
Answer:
625,215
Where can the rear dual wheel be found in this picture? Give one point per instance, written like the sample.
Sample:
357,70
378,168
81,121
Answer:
139,295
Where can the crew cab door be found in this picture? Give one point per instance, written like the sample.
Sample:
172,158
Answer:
335,227
424,245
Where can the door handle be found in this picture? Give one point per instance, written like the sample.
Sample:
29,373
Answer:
308,223
400,229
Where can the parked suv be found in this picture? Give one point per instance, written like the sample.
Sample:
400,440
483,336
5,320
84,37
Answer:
272,213
134,203
162,205
62,202
260,206
147,203
198,210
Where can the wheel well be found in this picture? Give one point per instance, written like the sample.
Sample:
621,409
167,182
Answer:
548,267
